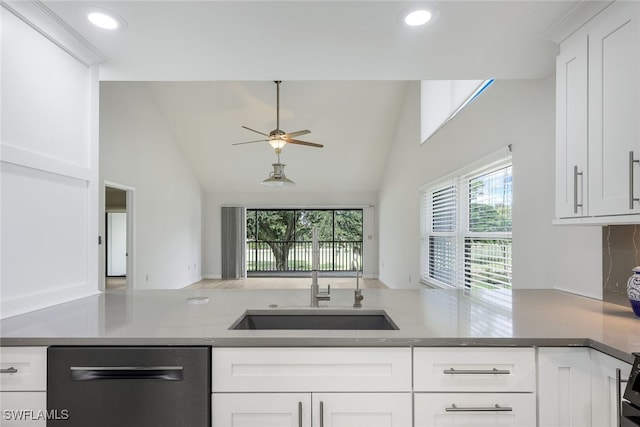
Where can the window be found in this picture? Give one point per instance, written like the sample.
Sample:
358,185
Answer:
467,227
442,100
280,240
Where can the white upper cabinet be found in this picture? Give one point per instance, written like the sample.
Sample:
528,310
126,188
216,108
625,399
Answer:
614,113
598,119
571,129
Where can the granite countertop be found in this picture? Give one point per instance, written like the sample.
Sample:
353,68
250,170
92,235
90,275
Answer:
428,317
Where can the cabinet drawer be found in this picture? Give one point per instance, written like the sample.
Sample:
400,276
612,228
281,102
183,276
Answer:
22,408
475,409
23,368
311,369
474,369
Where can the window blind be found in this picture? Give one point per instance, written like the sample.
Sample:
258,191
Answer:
467,229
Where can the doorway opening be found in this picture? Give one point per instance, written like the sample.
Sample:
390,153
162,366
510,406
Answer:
117,238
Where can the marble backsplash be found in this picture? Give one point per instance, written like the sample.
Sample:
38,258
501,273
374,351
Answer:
620,253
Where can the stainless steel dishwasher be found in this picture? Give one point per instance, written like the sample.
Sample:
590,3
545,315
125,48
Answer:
129,386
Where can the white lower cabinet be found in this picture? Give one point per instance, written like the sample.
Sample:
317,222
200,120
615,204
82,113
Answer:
23,383
23,408
579,387
606,388
454,386
261,409
311,409
488,386
475,409
311,387
564,387
361,409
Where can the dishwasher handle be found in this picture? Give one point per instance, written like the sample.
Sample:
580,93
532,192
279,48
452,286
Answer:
90,373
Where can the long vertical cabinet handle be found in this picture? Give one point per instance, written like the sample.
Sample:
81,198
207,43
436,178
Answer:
631,198
321,413
619,382
576,205
299,414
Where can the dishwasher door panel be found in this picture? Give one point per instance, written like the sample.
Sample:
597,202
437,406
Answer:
130,386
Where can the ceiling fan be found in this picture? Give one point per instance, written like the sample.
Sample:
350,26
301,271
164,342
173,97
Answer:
278,138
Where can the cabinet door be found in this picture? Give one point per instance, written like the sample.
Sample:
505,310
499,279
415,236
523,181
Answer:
564,387
605,389
22,408
475,409
614,111
362,409
261,410
571,128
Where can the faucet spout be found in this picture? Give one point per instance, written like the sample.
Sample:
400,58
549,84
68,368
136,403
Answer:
316,294
357,296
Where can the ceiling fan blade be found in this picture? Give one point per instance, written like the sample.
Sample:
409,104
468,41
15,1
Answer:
250,142
298,133
256,131
298,142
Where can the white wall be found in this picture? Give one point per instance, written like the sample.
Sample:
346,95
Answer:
287,199
517,112
48,169
137,150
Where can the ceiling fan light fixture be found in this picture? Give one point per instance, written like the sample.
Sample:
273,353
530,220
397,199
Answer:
277,178
277,143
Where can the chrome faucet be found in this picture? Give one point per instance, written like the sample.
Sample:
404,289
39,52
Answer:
316,294
357,296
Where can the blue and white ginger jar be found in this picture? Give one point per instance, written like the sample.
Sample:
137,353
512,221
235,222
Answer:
633,290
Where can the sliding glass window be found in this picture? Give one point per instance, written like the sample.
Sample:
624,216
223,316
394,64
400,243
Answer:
279,240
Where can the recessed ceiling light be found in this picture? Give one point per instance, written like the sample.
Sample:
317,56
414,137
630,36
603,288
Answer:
417,18
106,20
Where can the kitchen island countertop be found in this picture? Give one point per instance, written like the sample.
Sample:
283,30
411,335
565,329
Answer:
429,317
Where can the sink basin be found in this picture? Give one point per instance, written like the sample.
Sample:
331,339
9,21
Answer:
315,319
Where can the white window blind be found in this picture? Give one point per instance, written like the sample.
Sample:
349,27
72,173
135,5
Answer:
467,228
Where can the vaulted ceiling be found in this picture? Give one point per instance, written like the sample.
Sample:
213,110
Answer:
209,66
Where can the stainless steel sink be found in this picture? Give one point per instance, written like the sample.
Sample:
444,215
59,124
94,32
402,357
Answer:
315,319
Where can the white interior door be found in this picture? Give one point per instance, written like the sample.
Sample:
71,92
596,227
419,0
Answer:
116,244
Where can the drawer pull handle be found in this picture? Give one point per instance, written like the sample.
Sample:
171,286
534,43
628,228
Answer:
10,370
494,408
299,414
89,373
476,371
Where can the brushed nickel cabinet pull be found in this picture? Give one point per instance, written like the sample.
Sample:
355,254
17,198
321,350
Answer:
452,371
496,407
299,414
576,205
321,413
10,370
631,163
